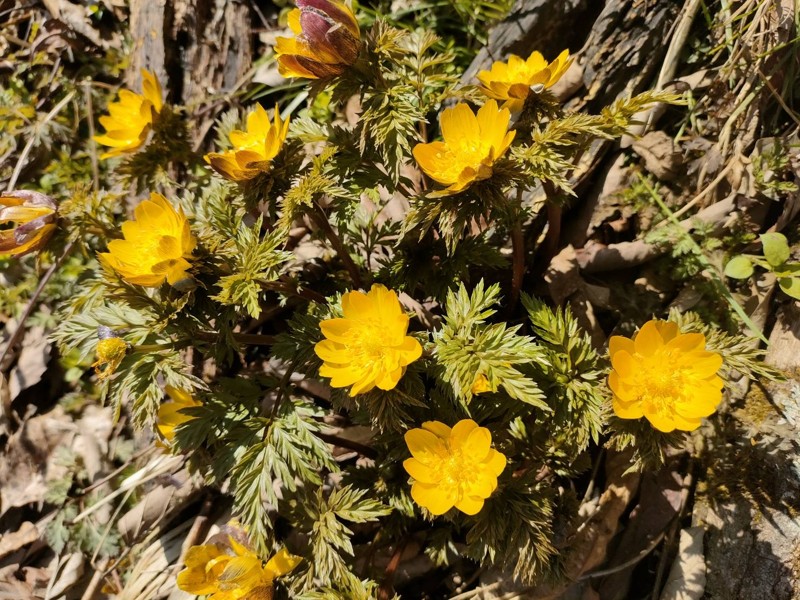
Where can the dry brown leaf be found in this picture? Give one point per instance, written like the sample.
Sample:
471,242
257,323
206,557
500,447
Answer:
661,157
67,571
687,578
32,361
11,542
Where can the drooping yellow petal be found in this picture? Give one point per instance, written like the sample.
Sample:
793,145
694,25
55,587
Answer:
437,499
281,564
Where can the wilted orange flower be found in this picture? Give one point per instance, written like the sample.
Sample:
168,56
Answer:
452,467
129,120
170,414
514,80
664,375
33,220
254,149
230,570
470,148
156,245
369,346
327,40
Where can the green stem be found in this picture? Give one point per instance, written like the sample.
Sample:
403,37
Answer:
321,219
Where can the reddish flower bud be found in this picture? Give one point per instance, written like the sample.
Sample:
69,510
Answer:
327,40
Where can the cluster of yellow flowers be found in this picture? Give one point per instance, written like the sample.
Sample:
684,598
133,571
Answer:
661,374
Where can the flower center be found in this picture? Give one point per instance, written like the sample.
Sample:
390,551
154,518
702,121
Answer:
661,381
367,343
457,470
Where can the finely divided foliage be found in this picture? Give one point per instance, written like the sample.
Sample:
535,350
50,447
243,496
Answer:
334,310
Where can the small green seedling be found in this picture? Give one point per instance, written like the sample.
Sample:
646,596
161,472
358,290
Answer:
775,259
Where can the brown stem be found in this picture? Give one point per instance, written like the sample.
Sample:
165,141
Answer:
518,263
517,254
321,219
33,301
293,290
349,444
554,211
386,590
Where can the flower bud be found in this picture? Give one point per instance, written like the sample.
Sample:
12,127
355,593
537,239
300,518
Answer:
33,220
111,349
327,40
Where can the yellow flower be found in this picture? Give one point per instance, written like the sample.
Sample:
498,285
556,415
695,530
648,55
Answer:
471,146
232,571
33,220
514,80
129,120
666,376
481,385
110,352
327,40
369,346
452,467
170,414
156,245
253,149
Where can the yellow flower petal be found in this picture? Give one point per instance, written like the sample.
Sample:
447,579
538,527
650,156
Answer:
627,410
496,462
426,447
623,363
470,505
281,564
648,340
438,500
420,472
438,428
